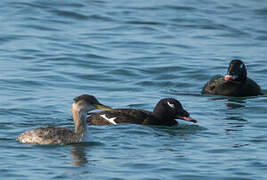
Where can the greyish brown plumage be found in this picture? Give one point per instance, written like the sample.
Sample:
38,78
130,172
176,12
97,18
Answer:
57,135
49,135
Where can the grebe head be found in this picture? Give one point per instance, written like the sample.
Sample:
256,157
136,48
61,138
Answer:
87,103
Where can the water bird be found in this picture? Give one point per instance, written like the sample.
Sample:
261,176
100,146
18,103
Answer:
58,135
234,83
164,113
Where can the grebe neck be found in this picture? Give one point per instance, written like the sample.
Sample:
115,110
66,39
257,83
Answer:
79,118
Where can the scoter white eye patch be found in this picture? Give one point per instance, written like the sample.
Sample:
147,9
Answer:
170,104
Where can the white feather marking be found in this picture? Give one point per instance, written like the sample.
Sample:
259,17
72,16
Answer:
111,120
241,66
170,104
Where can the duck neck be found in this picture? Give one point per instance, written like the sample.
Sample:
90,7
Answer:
79,118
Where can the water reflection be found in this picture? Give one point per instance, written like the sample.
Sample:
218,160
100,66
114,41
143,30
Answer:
183,130
235,103
78,156
237,123
236,118
232,102
240,145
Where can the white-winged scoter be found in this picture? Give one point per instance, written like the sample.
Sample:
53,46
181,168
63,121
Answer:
164,113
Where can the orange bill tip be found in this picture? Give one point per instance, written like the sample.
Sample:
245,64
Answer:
226,78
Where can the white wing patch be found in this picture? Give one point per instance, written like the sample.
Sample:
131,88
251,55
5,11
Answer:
241,66
111,120
170,104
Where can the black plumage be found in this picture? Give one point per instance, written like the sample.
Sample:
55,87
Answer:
164,113
235,83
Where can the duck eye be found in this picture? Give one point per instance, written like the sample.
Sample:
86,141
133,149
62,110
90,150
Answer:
170,104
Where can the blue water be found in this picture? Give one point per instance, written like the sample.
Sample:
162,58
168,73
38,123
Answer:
131,54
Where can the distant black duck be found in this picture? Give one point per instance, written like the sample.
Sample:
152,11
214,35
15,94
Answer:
234,83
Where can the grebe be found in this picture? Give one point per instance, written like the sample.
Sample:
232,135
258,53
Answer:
234,83
58,135
164,113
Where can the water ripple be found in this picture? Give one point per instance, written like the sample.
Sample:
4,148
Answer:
130,54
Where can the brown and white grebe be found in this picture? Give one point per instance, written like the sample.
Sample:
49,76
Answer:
58,135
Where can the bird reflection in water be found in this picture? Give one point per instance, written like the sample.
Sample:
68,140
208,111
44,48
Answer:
234,114
78,156
235,103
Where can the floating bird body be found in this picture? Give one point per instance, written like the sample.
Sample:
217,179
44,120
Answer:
164,113
234,83
58,135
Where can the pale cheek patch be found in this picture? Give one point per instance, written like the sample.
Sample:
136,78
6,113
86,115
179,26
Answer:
170,104
111,120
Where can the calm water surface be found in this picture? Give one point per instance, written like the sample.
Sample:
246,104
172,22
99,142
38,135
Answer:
131,54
